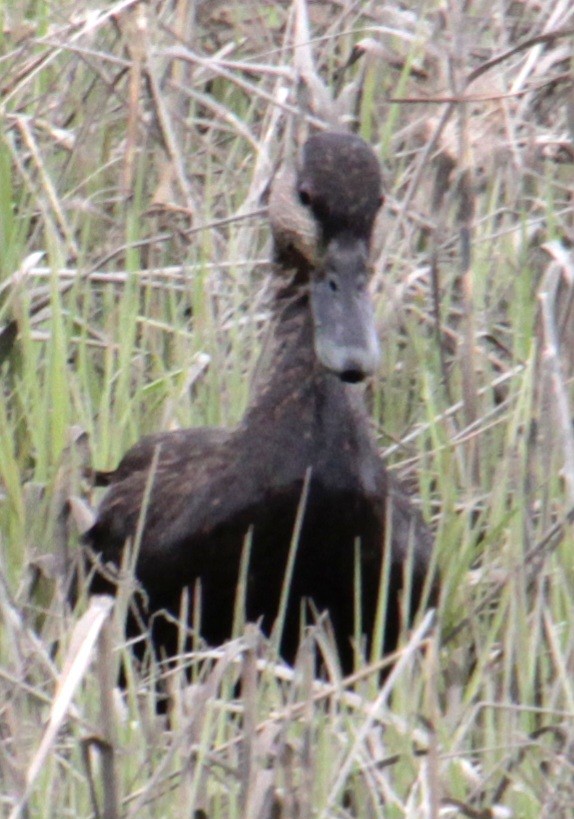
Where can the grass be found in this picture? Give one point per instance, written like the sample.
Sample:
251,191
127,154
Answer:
135,148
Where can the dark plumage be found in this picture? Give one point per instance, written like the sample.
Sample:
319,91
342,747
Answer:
213,486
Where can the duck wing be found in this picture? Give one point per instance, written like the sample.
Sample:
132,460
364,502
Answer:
191,498
167,447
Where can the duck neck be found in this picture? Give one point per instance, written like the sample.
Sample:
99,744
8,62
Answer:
288,359
293,381
306,417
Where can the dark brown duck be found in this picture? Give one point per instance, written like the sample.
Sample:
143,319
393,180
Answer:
211,487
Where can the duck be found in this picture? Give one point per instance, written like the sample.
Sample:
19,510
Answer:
299,481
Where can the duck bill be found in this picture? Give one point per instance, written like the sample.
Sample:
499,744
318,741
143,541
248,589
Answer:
345,339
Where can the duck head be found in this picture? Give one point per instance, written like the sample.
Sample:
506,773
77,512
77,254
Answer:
322,214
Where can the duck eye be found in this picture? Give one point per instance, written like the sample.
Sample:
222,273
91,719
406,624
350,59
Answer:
304,195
